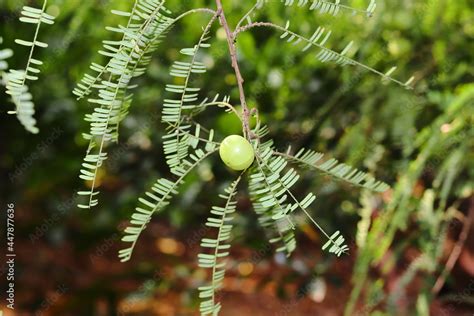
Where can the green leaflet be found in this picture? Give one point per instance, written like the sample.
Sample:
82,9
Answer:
336,243
16,79
332,8
270,188
156,199
4,55
144,20
184,98
309,159
129,59
319,39
321,6
278,231
221,220
277,191
176,144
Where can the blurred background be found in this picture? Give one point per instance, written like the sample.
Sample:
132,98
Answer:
411,248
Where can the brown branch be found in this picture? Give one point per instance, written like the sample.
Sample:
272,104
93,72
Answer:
456,252
240,80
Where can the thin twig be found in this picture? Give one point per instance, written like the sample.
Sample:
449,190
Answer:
249,26
321,47
204,10
222,105
456,252
240,80
247,14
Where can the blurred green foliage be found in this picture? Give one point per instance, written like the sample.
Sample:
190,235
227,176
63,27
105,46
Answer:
421,141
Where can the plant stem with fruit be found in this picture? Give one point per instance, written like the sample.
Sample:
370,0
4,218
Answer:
231,36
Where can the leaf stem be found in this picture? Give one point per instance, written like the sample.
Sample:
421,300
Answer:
352,61
232,193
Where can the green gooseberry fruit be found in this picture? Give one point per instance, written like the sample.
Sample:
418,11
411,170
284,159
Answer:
236,152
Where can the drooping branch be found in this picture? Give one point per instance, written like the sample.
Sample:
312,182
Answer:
328,51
